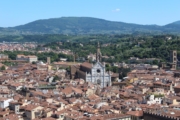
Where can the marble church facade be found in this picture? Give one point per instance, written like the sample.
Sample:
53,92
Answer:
95,73
98,75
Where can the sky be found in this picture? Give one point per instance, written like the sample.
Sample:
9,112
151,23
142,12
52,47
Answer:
160,12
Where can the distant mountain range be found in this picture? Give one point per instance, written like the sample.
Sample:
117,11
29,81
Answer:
87,25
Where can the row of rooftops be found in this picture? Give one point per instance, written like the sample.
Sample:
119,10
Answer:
33,90
17,47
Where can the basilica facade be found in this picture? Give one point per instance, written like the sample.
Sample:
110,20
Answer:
98,75
94,73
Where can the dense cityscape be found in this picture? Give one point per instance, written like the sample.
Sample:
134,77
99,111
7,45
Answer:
90,60
86,87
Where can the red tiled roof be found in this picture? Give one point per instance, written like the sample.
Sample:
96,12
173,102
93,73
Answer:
30,107
135,113
87,65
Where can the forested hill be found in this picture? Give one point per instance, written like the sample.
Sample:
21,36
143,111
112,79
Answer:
114,48
176,23
87,25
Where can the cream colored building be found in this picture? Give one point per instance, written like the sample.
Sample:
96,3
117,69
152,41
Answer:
29,58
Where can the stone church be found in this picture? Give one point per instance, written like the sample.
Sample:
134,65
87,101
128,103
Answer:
95,73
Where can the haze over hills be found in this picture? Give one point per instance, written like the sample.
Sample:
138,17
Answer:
177,22
87,25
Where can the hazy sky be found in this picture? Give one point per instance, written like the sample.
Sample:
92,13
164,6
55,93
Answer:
160,12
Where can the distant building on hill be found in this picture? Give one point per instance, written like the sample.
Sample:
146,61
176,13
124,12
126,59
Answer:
91,57
4,57
29,58
144,60
63,59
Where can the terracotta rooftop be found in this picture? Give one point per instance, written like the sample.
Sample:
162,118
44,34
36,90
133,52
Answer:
87,65
135,113
30,107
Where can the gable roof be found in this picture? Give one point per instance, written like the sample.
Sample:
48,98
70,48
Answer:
98,64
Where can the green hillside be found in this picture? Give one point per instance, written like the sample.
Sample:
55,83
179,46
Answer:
87,25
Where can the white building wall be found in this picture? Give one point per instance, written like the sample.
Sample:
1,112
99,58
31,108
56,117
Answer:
99,76
28,58
5,103
153,100
33,59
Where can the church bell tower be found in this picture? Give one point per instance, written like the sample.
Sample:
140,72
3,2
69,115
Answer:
98,53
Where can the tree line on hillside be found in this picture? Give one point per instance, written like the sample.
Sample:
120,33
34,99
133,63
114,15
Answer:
122,48
117,47
41,56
